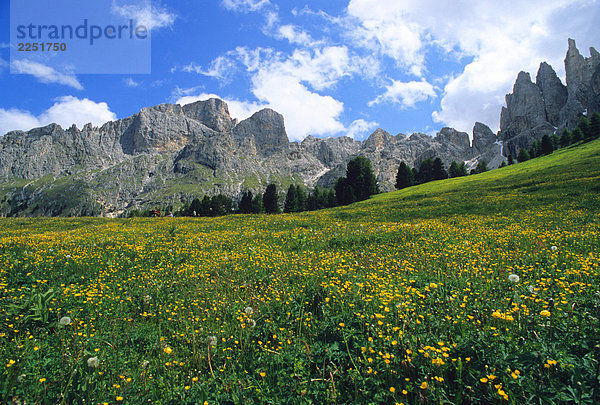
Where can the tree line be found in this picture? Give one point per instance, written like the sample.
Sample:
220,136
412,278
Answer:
586,130
433,169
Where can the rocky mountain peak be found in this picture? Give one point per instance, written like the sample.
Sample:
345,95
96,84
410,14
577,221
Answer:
378,139
214,113
536,109
554,93
267,130
451,135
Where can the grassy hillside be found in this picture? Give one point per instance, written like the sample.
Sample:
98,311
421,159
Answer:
482,289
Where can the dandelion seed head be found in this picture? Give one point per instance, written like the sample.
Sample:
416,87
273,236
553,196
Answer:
64,321
249,311
514,278
93,362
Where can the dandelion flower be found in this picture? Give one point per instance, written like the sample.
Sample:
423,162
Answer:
392,390
64,321
513,278
423,385
545,313
93,362
42,380
168,350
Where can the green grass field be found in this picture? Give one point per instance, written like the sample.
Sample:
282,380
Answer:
483,289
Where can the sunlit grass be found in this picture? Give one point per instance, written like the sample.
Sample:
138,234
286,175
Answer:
403,298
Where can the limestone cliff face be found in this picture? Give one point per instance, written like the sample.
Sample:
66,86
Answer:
168,153
546,106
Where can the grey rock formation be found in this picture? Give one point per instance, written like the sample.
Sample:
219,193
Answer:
554,93
548,106
168,154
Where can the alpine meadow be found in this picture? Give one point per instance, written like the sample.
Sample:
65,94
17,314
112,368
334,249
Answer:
476,289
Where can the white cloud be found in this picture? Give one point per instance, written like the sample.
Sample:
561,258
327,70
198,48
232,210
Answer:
293,34
129,82
67,110
151,17
45,74
305,112
14,119
499,40
237,109
407,94
245,5
360,128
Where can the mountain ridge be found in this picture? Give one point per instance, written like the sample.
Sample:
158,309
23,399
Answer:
171,153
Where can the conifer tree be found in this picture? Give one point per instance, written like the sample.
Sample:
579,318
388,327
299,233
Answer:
523,155
547,146
404,176
271,200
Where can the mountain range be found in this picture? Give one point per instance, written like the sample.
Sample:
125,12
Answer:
169,154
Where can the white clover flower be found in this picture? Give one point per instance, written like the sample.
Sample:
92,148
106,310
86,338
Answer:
212,340
513,278
93,362
65,320
249,311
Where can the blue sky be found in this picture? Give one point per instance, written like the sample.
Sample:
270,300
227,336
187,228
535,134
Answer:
337,67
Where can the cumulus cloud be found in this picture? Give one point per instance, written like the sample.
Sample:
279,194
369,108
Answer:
497,42
13,119
151,17
66,111
360,128
44,74
291,83
407,94
305,112
244,5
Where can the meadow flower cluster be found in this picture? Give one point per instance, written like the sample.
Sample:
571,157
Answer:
349,305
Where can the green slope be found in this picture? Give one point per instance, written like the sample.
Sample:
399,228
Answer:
481,289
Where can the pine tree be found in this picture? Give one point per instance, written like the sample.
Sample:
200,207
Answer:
404,176
245,206
291,200
257,204
344,192
546,145
510,160
577,135
361,178
425,172
302,198
270,200
503,164
595,125
565,138
586,128
523,155
439,172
